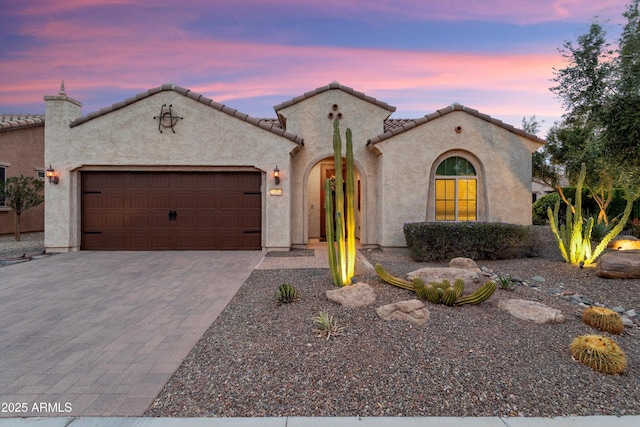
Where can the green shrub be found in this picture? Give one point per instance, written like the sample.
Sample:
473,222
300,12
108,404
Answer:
441,241
540,206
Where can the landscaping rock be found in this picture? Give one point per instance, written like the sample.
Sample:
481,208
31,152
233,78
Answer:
625,243
464,263
531,311
356,295
438,274
626,321
619,265
412,311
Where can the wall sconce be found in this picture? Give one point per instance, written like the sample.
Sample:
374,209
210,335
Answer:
276,175
51,174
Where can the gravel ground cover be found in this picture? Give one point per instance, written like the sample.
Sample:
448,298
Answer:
30,243
260,358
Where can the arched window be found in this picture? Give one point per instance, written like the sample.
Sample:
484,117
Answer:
456,190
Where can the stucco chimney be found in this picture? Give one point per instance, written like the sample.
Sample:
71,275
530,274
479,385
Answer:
60,111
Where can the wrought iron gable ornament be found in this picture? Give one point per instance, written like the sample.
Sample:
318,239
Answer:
166,119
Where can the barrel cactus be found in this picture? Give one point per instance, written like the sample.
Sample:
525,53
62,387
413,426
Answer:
599,353
603,319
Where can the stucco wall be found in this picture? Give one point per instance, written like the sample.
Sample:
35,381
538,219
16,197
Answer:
308,119
128,139
22,153
408,161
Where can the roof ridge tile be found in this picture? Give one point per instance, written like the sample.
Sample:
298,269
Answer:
262,123
332,86
396,126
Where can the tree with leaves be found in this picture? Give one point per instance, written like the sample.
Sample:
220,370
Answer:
621,137
600,91
541,168
21,193
585,88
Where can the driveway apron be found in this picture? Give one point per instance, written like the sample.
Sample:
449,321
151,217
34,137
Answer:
100,333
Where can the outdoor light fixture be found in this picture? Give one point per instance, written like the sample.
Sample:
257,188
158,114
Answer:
276,175
51,174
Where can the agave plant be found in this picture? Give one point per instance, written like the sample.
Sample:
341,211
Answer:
286,293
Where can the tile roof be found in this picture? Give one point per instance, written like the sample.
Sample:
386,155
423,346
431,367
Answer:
15,121
396,126
334,85
270,125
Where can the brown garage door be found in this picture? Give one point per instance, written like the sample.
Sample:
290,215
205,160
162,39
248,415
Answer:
171,211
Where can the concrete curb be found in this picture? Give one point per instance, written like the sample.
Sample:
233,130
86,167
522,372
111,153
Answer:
592,421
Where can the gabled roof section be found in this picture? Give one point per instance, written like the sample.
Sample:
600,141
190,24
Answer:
16,121
266,124
331,86
396,126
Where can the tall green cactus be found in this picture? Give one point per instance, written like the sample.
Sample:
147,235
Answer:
574,236
341,225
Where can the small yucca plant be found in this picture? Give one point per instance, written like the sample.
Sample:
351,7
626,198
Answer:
286,293
506,282
326,326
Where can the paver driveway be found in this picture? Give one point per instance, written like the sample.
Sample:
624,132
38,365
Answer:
100,333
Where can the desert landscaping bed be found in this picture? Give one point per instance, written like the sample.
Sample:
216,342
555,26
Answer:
260,358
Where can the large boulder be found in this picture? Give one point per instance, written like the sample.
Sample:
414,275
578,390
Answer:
619,265
438,274
412,311
356,295
531,311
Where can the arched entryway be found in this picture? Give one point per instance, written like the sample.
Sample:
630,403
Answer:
315,199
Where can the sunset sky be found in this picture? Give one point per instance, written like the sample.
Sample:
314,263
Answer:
496,56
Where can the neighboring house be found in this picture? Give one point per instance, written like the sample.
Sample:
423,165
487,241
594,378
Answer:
21,153
172,169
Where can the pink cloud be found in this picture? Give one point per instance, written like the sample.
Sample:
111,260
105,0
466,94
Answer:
275,69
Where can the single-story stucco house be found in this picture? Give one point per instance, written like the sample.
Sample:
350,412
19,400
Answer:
21,154
171,169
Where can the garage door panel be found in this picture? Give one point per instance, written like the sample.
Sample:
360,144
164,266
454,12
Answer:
230,221
114,220
161,241
139,200
130,210
207,202
230,241
113,181
206,221
113,201
139,241
251,221
186,201
251,240
250,201
231,201
113,240
142,220
160,200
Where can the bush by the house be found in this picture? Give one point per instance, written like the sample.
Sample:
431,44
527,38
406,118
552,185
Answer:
440,241
540,206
